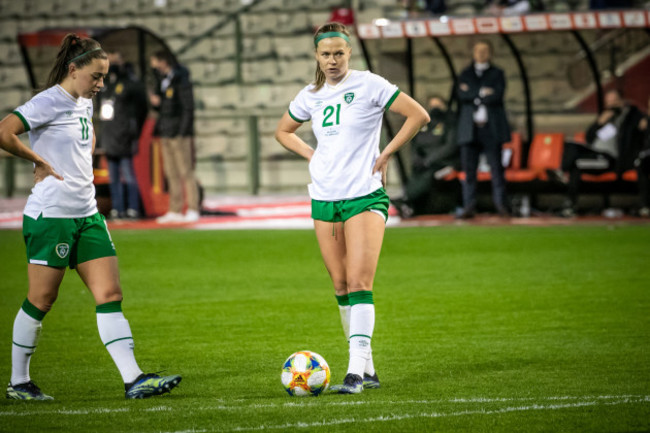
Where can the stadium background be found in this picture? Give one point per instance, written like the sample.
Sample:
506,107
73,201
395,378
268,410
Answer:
482,327
249,58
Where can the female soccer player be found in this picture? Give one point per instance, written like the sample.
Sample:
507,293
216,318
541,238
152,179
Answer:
349,204
61,224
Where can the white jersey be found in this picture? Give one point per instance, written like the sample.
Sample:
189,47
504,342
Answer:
61,132
346,120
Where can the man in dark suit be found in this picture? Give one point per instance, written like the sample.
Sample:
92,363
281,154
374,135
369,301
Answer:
482,127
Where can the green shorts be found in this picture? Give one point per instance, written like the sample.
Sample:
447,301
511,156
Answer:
61,242
343,210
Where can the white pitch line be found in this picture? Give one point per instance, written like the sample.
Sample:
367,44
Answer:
334,422
320,403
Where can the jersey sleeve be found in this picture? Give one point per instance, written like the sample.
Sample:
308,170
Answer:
298,108
382,92
35,112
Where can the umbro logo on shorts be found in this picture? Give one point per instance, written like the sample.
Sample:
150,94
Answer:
62,250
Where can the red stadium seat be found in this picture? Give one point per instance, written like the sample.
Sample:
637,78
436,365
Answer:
545,154
580,137
630,176
609,176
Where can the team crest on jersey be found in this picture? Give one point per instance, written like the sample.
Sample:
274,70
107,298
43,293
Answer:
348,97
62,250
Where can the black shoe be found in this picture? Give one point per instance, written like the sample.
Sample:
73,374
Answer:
352,384
370,382
147,385
26,391
466,214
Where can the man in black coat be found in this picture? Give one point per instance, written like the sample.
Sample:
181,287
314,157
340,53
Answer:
123,110
434,153
612,145
642,164
174,101
482,127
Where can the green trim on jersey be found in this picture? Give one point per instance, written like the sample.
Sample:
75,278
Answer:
392,99
295,118
22,119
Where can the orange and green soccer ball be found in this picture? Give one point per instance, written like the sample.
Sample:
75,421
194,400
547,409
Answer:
305,373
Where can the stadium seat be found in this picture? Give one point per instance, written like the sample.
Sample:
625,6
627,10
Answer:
12,9
257,47
294,46
13,77
545,154
10,99
222,97
9,53
208,146
270,6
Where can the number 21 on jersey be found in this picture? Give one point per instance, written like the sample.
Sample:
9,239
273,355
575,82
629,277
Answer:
328,112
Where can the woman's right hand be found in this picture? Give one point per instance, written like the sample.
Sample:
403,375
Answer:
42,170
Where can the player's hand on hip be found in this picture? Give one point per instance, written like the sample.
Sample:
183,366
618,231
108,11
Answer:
42,170
381,165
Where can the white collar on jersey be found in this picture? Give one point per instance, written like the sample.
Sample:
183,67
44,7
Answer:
340,82
66,93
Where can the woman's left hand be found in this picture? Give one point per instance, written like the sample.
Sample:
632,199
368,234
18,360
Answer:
381,164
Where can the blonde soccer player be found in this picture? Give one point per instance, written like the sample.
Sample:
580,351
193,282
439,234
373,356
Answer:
61,225
348,173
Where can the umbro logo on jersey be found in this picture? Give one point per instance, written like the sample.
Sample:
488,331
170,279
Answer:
348,97
68,113
62,250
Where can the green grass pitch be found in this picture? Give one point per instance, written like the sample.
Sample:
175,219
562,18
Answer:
479,329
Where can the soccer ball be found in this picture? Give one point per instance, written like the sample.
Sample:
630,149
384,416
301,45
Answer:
305,373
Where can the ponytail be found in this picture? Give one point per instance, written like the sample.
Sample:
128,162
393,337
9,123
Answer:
319,76
77,51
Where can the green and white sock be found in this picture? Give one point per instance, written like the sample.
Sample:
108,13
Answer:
27,329
116,335
344,311
362,324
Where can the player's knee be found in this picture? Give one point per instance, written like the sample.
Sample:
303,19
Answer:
359,285
340,285
111,293
43,302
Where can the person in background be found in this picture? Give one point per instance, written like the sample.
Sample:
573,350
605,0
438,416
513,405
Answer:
482,127
61,224
123,110
611,145
513,7
434,153
642,164
174,101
